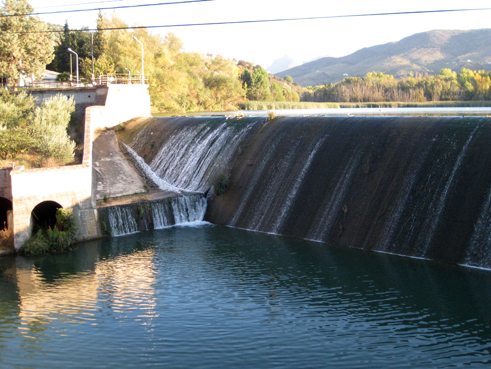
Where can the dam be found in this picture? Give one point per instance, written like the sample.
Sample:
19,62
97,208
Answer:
409,185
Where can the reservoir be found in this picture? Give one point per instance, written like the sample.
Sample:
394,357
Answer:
208,296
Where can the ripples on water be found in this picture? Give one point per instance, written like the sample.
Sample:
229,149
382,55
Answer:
212,297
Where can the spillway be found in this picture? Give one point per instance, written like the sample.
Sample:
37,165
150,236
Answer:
414,186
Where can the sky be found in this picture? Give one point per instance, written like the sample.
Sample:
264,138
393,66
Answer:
262,43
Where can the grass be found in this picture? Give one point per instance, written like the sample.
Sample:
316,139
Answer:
59,239
265,105
30,161
6,239
427,104
271,105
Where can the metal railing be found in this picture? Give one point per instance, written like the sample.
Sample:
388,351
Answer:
101,80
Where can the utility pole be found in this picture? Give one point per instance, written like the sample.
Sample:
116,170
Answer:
143,68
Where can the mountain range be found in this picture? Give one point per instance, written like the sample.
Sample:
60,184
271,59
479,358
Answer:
421,53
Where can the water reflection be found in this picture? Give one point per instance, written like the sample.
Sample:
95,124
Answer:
218,297
71,288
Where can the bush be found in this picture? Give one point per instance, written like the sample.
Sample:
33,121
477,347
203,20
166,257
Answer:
25,128
6,239
50,128
56,240
63,77
221,184
16,109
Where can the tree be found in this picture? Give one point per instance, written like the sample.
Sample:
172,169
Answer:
246,78
277,92
100,39
25,46
259,89
78,41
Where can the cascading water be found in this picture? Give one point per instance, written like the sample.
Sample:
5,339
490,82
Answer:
193,156
185,165
141,216
417,186
122,220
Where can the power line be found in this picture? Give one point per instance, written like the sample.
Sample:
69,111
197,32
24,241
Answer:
265,20
65,5
296,19
108,8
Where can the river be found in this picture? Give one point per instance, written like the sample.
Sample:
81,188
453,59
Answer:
217,297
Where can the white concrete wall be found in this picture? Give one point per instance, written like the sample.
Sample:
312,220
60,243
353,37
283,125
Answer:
123,103
83,95
71,186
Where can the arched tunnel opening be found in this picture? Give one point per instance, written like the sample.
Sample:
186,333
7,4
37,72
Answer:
5,208
43,216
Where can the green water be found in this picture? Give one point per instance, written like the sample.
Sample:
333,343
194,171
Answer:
214,297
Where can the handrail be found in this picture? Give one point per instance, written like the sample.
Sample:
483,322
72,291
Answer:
102,80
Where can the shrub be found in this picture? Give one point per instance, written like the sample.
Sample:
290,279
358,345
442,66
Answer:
6,239
50,128
63,77
58,239
221,184
16,109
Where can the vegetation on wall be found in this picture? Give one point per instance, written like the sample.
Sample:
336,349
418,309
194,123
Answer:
6,239
60,238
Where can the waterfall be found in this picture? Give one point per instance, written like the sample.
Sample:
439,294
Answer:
192,156
161,183
286,206
332,205
478,253
385,241
186,208
122,221
179,210
436,216
416,186
142,216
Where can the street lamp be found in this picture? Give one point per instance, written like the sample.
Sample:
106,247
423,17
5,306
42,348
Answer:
76,61
143,67
92,54
129,75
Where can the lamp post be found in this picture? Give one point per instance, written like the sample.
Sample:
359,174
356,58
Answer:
143,67
76,61
92,54
129,75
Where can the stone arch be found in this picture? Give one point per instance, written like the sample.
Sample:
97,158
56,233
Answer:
44,215
5,209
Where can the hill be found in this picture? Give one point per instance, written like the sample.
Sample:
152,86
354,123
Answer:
426,52
285,62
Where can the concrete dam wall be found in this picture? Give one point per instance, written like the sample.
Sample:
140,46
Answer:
414,186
